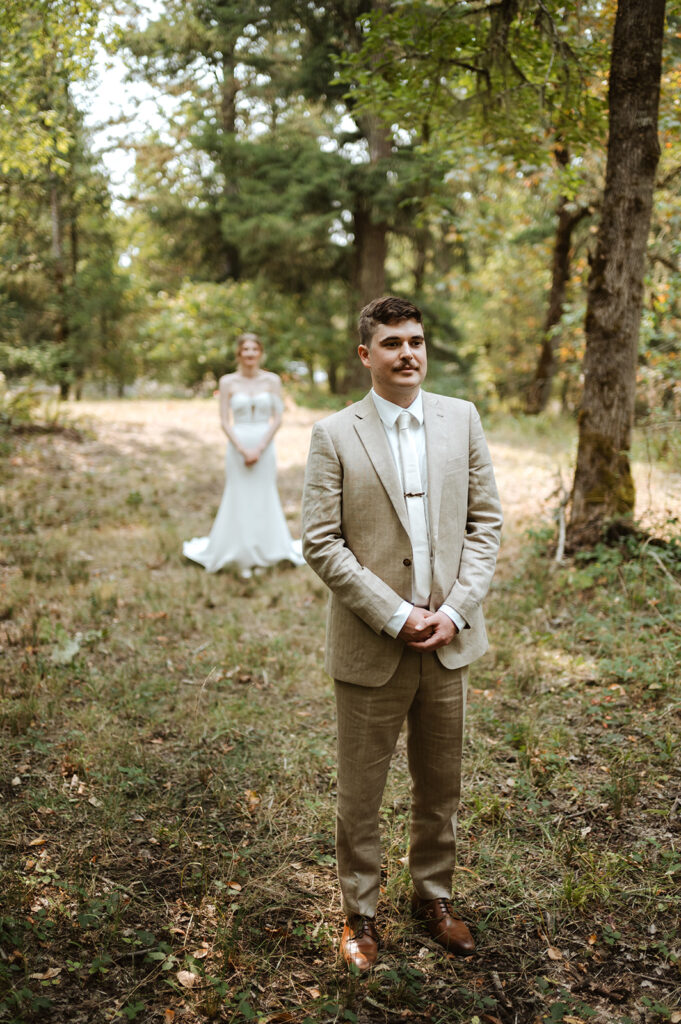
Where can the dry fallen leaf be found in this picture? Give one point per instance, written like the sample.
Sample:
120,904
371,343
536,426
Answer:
199,954
40,841
53,972
187,978
593,939
234,885
252,799
169,1015
676,1017
554,954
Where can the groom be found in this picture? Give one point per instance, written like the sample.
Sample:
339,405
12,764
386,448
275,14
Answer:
401,520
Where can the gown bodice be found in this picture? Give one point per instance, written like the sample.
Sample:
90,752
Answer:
253,408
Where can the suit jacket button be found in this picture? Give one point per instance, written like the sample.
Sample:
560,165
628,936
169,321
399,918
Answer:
406,561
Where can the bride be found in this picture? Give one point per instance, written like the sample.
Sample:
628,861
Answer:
250,530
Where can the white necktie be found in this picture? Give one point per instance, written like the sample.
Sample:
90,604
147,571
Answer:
414,497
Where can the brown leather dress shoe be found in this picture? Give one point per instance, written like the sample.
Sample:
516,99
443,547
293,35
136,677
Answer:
360,942
444,925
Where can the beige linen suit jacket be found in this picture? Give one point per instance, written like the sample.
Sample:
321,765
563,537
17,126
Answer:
356,532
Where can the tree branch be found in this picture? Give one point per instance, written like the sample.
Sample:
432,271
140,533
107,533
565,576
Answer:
668,178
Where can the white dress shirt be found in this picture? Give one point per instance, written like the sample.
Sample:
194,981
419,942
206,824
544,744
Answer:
389,413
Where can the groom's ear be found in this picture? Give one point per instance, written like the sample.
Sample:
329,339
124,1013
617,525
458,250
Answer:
363,353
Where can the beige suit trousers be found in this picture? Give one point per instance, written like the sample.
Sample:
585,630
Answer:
432,699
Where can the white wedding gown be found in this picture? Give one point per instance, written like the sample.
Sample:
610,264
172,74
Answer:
250,529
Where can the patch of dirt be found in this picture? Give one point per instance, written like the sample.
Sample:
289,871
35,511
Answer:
179,431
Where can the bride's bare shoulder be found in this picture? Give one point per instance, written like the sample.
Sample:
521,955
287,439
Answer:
273,380
226,381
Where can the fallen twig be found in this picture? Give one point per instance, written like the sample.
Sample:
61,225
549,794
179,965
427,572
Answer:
499,989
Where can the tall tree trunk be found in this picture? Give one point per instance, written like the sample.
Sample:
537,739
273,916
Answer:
370,247
75,241
422,235
231,257
332,374
57,234
567,218
74,238
603,487
61,326
421,244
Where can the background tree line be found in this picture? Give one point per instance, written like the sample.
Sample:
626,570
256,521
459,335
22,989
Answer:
320,154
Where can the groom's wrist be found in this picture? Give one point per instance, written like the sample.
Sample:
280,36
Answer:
393,626
452,614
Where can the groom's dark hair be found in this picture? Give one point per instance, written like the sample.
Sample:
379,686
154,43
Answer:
387,310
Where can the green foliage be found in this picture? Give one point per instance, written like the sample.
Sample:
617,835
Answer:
498,92
46,47
271,180
190,337
18,405
273,170
62,296
526,78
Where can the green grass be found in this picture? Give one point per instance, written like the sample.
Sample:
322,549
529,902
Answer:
167,773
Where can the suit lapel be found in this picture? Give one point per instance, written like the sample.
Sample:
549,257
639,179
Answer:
437,449
371,432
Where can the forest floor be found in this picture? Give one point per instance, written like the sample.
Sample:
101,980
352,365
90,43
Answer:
167,765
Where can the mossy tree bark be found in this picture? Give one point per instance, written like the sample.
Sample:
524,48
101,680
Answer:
603,488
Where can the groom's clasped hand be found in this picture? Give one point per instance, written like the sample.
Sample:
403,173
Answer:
428,630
